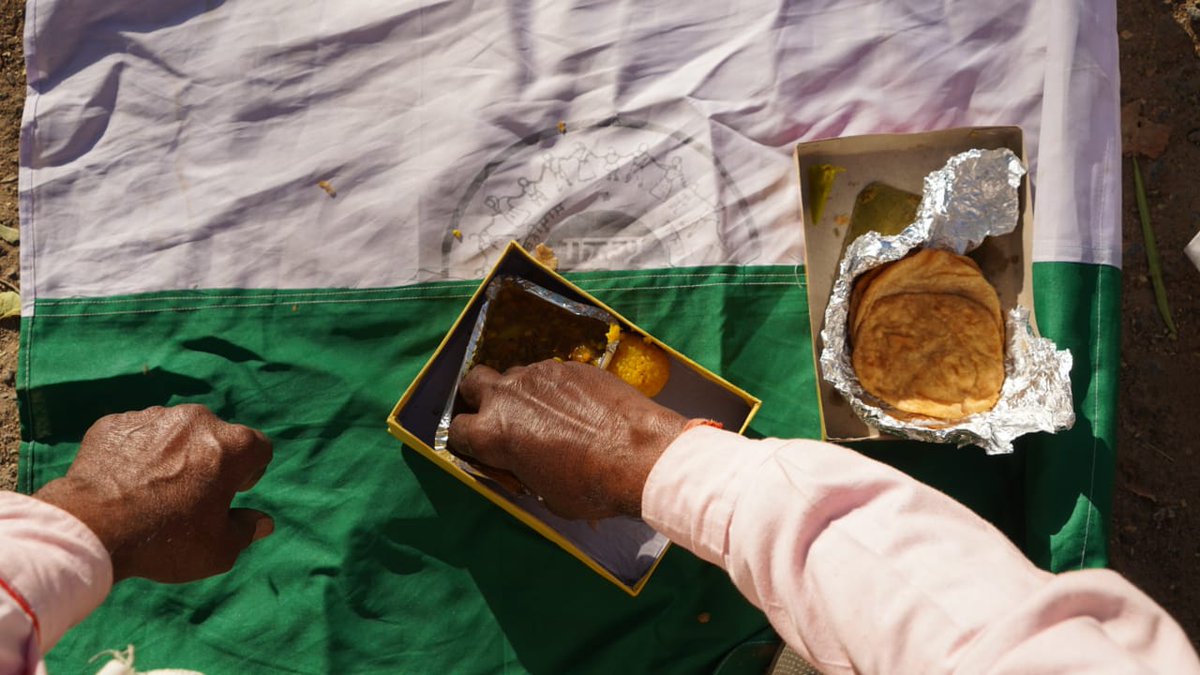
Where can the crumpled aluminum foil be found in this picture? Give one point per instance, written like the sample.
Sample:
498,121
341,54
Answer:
975,195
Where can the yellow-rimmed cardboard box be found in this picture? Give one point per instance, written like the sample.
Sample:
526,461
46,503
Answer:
625,551
901,161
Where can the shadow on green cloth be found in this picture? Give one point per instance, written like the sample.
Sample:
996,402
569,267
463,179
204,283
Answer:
64,412
686,620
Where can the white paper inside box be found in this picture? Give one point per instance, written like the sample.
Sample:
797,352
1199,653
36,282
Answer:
625,550
901,161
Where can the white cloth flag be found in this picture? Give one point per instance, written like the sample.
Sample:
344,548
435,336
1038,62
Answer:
179,144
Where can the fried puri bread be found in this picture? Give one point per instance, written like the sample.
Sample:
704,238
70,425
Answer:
928,270
861,284
939,355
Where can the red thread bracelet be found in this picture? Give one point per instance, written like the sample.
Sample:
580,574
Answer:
698,422
25,606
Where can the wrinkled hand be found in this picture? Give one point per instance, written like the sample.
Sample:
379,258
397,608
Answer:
156,486
576,435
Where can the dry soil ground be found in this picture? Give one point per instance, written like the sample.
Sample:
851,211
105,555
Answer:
1156,514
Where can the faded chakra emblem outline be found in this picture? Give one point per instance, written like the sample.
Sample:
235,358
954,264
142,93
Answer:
608,194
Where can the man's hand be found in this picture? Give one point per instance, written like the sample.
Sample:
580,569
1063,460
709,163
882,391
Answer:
576,435
156,486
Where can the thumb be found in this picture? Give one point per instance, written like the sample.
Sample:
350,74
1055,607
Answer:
472,437
247,526
462,436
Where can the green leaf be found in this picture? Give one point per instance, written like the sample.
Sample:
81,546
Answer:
10,304
1156,277
10,234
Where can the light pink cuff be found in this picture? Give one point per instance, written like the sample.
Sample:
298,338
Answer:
53,562
689,502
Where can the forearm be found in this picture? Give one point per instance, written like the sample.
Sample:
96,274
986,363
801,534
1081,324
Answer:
53,572
861,568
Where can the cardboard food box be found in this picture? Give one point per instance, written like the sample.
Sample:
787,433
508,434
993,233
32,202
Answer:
625,551
901,161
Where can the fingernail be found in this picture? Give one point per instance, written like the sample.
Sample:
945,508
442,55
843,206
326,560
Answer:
263,527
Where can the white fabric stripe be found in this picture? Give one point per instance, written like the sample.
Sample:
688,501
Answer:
1078,179
178,144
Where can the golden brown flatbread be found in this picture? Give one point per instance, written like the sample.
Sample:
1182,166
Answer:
926,271
861,284
927,335
939,355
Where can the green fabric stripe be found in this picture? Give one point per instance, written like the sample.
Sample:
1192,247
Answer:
1069,476
381,563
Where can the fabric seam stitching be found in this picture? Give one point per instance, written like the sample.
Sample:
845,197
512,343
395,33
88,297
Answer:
283,293
29,454
284,301
1087,524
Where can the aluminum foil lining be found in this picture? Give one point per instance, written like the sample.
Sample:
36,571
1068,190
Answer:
975,195
441,436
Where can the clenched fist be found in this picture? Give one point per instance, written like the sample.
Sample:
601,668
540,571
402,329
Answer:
575,435
156,487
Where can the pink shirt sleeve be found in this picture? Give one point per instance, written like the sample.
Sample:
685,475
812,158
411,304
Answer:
53,573
860,568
